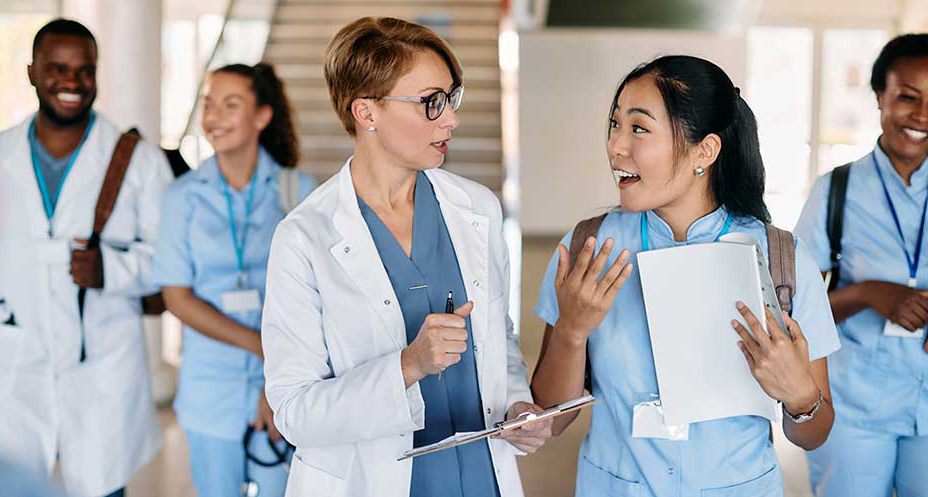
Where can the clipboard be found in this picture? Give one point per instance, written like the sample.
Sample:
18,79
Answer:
522,419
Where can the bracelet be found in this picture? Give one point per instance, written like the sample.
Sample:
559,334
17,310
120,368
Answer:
803,417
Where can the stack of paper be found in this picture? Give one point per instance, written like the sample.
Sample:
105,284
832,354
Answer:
690,294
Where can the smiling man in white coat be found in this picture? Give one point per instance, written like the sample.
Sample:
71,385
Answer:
74,391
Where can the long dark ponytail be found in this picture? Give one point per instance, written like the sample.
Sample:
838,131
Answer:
701,99
279,138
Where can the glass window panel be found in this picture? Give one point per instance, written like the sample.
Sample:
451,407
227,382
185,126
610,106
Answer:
781,100
17,97
850,120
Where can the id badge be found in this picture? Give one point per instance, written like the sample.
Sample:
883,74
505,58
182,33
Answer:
894,330
648,422
243,300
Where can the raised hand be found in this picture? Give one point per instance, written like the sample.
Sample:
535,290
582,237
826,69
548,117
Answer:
583,298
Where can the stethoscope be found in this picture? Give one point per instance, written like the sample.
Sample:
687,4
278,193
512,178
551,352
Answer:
250,487
6,315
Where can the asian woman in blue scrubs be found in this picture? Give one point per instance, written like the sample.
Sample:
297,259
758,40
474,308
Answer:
683,147
211,261
880,376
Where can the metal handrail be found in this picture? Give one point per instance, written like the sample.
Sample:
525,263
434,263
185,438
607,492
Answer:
190,127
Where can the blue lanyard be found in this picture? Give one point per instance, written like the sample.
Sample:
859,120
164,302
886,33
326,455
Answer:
239,245
912,261
40,178
646,241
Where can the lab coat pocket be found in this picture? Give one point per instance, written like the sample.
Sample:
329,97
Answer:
593,481
769,484
11,338
321,472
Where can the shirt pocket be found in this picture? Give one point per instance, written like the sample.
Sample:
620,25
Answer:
11,338
593,481
769,484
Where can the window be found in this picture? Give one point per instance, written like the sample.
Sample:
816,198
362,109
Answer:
810,91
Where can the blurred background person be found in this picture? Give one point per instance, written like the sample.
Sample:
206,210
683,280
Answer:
880,300
211,262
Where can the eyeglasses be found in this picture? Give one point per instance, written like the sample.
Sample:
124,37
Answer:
435,102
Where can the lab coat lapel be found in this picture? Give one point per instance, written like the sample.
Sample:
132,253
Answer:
469,234
358,256
90,166
17,166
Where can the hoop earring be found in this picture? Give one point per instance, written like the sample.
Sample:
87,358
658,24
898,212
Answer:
700,171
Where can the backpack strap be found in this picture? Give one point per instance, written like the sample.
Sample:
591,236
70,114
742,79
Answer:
112,183
834,220
289,179
781,253
583,230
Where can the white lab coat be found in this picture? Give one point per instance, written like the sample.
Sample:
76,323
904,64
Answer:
333,332
97,416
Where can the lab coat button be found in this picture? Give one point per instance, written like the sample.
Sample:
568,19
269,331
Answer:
489,411
476,283
347,249
386,302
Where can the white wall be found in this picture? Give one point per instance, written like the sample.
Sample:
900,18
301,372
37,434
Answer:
566,81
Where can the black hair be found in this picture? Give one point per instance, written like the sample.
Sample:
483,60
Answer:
61,26
910,45
279,138
701,99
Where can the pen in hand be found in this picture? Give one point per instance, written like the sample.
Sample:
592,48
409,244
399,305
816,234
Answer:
449,309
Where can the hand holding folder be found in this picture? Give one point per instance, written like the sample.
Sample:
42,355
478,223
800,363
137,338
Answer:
501,427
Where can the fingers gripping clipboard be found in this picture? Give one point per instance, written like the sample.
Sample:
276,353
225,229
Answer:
522,419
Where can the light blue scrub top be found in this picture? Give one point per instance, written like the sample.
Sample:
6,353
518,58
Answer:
878,382
219,383
452,404
730,457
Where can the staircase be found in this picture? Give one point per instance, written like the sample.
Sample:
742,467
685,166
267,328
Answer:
301,31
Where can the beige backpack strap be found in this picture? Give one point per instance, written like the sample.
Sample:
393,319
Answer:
782,257
289,189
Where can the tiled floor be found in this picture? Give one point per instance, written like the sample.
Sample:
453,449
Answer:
548,473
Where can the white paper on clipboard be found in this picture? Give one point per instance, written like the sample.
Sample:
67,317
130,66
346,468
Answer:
473,436
690,294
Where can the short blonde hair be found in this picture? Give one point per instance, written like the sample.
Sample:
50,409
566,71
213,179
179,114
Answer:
368,56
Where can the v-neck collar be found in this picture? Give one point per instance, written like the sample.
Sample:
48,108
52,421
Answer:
424,203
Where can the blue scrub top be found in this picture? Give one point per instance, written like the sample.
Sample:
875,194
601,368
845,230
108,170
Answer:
421,283
731,456
219,383
878,382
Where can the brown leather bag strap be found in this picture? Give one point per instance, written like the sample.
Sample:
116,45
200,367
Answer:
582,231
781,251
115,174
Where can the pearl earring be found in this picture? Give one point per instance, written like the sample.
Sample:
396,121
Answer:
700,171
371,129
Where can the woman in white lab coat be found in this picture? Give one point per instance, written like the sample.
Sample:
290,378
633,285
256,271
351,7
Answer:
361,361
